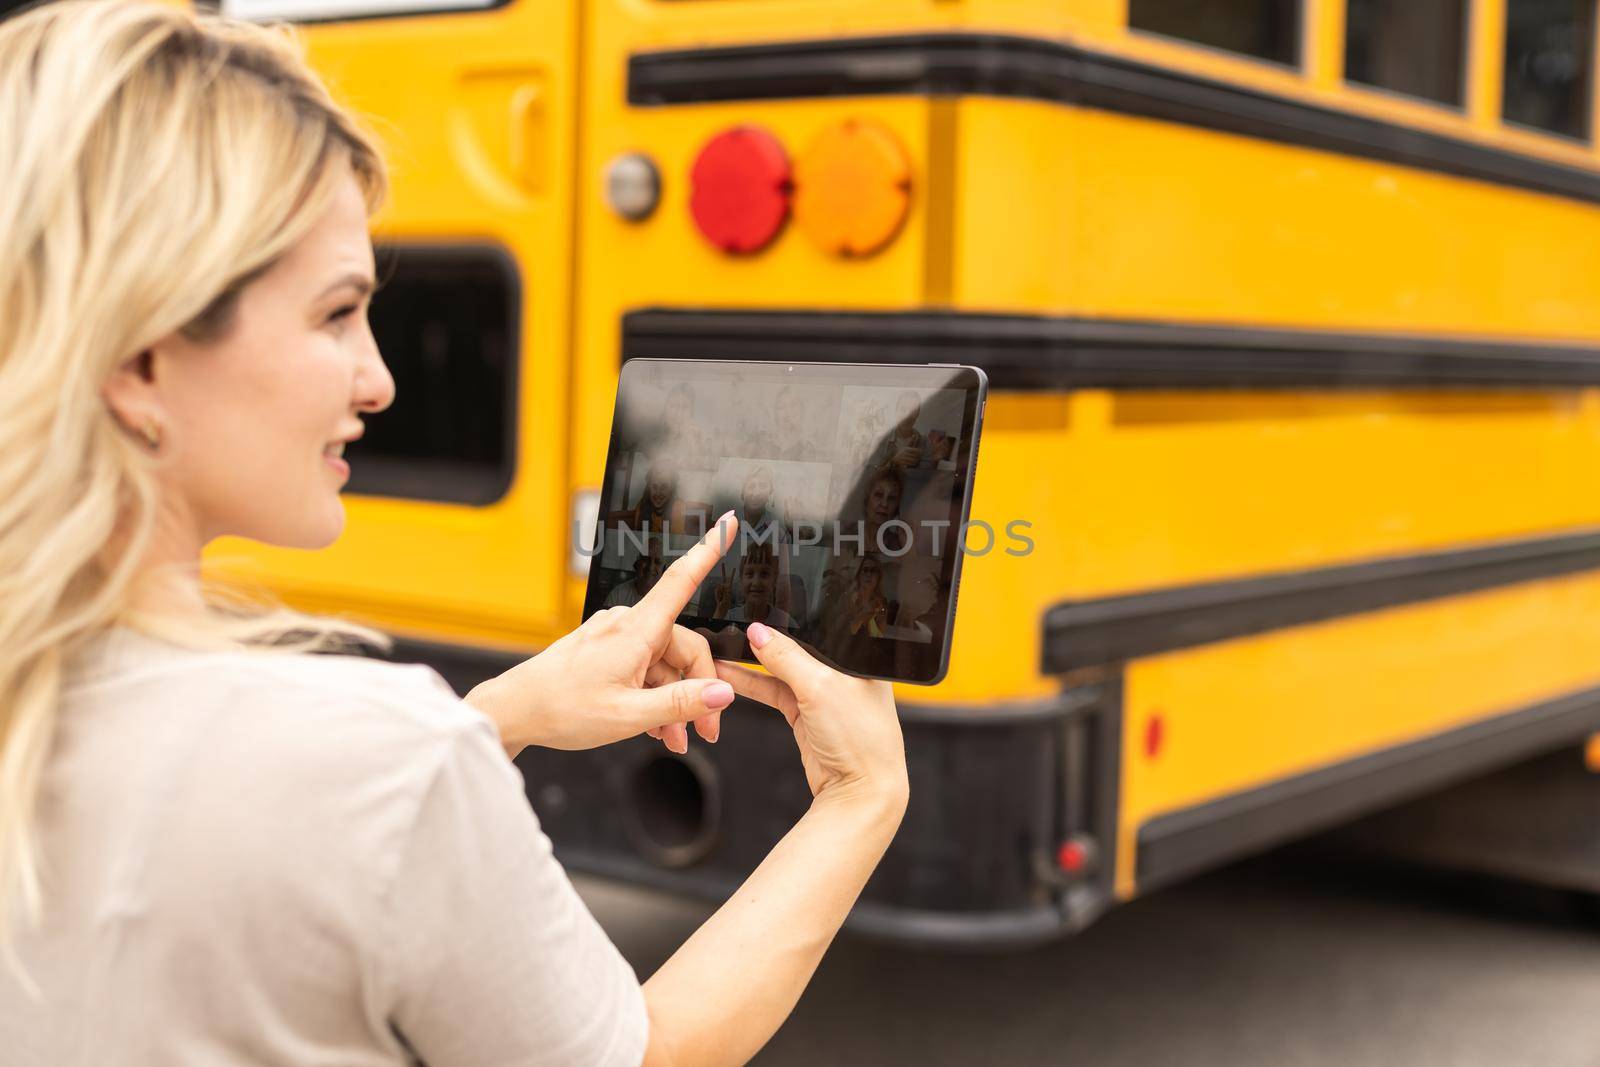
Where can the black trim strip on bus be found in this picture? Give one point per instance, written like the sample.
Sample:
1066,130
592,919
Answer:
1118,628
1035,352
1055,71
1171,847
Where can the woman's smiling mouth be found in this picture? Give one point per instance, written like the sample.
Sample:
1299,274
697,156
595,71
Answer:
334,456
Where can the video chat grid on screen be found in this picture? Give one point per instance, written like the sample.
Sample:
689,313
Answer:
792,460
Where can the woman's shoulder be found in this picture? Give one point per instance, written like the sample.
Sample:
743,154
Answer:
292,694
392,707
327,758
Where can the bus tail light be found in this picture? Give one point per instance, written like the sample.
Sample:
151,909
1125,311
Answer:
852,188
740,188
1076,856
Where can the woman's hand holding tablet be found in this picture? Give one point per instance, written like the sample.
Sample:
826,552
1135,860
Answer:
847,729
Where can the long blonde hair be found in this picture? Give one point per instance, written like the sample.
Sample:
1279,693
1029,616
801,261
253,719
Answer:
154,162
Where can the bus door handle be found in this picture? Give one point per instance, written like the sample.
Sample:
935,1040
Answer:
526,143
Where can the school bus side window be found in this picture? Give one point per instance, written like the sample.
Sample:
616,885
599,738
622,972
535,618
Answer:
1416,48
1263,29
1549,64
446,321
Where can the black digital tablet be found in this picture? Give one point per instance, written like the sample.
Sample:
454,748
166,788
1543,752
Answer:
852,484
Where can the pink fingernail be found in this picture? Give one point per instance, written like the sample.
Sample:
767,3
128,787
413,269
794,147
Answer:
717,695
759,634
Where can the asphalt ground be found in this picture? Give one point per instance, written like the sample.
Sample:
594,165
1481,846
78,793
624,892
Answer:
1312,955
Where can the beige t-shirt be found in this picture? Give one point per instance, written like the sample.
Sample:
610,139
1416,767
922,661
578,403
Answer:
272,859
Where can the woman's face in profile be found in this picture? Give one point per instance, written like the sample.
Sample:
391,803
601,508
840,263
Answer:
249,418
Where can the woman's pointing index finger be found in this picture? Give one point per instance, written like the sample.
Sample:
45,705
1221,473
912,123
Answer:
666,599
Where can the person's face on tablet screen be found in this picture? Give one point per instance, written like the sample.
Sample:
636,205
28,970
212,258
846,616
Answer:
660,487
648,567
883,500
760,581
757,490
869,577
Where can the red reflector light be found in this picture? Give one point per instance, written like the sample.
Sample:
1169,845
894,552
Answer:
1155,735
740,186
1073,856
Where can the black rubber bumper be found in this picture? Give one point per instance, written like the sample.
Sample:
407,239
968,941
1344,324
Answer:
963,870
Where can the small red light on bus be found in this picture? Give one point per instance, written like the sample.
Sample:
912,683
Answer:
1076,855
739,189
1155,735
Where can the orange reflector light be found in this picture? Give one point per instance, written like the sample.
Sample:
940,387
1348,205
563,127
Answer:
852,188
1591,753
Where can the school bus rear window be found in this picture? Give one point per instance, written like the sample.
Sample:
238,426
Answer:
446,321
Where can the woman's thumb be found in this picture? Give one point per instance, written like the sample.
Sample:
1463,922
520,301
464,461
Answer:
780,655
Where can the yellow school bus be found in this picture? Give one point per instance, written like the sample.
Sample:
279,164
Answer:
1291,316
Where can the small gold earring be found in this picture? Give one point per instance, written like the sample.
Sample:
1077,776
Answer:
152,433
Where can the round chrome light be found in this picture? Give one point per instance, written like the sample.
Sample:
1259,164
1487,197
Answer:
633,186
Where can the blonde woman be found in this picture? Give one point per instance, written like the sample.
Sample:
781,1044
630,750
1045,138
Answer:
215,848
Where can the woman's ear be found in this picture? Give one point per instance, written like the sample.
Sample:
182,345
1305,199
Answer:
133,396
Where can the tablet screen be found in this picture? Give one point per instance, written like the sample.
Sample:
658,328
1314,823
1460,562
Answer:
851,484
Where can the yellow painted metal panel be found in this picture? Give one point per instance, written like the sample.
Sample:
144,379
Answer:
1243,713
476,112
1135,218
